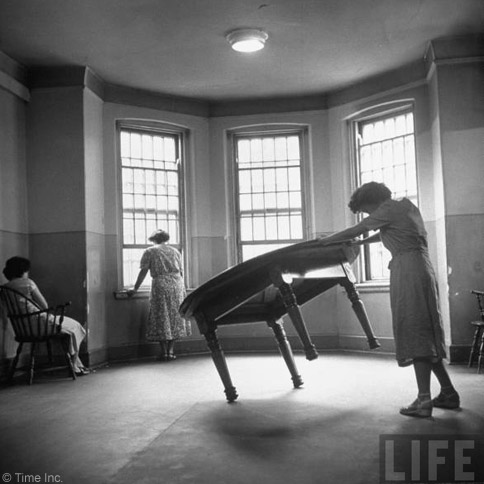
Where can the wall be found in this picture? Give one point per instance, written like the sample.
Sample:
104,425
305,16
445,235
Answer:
13,187
376,299
57,208
59,179
317,179
458,87
95,230
126,319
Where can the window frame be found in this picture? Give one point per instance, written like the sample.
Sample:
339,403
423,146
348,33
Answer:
153,127
386,110
262,131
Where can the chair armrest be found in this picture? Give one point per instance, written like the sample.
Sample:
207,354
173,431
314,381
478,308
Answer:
61,306
54,310
36,313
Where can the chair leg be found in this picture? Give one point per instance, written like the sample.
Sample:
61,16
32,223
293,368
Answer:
49,352
32,362
481,353
13,366
475,346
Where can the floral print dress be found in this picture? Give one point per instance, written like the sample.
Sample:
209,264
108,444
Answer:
167,293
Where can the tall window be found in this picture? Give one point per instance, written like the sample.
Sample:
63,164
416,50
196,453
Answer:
270,208
386,153
151,192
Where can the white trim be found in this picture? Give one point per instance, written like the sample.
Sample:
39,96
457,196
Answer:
14,87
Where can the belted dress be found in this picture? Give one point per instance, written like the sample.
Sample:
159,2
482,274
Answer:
414,299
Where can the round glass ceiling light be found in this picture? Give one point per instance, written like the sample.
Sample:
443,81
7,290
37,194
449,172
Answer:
247,40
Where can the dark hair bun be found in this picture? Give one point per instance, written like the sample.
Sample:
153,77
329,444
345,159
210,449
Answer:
16,267
370,193
159,236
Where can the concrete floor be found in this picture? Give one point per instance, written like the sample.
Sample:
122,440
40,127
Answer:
153,422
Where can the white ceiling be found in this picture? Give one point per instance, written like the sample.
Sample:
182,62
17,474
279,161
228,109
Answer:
177,47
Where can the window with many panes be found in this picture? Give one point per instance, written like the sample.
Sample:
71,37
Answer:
269,199
151,192
385,149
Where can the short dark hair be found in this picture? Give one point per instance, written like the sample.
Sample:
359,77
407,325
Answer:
16,267
159,236
369,194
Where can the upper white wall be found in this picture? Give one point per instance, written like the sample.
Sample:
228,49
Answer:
461,88
13,178
55,150
198,184
93,162
341,156
197,175
316,170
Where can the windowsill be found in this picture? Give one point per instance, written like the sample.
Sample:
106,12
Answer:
373,286
143,293
122,294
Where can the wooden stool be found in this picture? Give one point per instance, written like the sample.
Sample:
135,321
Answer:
477,348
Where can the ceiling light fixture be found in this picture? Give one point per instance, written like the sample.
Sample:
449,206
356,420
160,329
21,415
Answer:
247,40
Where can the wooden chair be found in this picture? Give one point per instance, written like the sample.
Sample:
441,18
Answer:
477,349
34,325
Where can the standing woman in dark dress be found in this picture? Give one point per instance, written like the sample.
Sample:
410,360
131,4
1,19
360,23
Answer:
417,324
164,263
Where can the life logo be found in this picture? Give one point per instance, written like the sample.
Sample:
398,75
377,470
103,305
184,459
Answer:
431,459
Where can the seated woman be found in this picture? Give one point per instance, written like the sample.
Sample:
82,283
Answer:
17,272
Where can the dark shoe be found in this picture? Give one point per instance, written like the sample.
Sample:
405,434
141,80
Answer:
163,358
450,401
83,371
418,409
171,357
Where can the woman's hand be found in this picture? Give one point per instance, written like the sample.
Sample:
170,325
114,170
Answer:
323,241
354,242
331,241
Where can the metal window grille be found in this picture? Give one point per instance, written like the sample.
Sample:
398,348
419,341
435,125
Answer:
386,154
270,206
150,178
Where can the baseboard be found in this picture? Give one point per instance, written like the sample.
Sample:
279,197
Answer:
360,343
231,344
459,354
135,352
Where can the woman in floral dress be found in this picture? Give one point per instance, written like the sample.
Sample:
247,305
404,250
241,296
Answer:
417,324
164,263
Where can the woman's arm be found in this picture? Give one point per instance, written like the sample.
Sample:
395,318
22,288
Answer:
139,281
369,240
344,235
39,298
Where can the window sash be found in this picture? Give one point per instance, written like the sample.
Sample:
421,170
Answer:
385,152
151,192
269,192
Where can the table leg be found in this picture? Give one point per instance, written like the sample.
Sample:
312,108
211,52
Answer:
221,364
286,351
294,312
360,312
